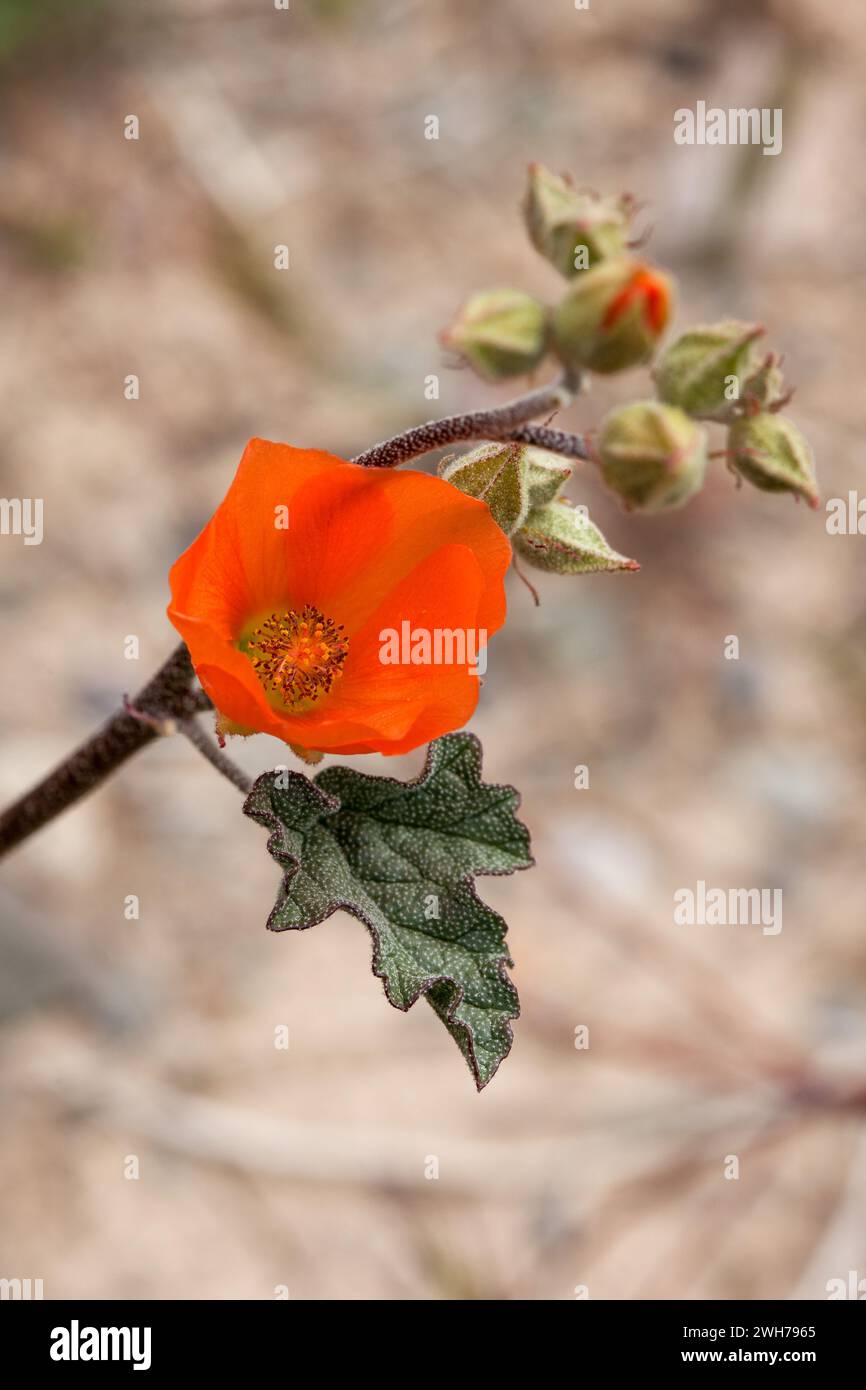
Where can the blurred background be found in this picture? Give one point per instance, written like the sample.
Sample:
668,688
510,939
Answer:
598,1169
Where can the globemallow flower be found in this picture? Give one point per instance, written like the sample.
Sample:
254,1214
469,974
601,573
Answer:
287,596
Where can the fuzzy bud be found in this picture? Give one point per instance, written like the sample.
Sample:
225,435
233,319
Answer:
773,454
653,456
561,539
612,316
573,230
717,372
500,333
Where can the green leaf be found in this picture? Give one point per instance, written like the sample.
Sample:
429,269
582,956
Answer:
395,854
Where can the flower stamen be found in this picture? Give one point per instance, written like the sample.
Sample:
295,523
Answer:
298,656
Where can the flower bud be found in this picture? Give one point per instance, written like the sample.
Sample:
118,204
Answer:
773,454
561,539
612,316
717,371
653,456
560,221
497,474
500,333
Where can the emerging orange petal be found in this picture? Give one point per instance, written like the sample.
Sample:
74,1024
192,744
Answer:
649,292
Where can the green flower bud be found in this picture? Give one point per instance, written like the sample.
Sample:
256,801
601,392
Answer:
573,230
612,316
771,452
561,539
653,456
500,333
497,474
717,372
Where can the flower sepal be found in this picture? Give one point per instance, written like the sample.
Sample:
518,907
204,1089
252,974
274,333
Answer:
495,474
511,478
561,539
546,475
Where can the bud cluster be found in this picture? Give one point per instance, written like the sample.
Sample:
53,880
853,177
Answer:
720,372
652,454
611,316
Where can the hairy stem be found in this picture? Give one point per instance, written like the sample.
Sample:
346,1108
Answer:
208,749
169,692
501,422
573,446
170,695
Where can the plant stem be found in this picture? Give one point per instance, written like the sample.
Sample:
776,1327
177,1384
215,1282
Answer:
502,422
170,694
208,749
573,446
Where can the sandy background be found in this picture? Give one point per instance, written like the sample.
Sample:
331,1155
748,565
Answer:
305,1168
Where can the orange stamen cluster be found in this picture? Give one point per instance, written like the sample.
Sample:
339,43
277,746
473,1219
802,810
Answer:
298,655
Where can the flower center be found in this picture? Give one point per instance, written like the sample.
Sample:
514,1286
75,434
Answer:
298,656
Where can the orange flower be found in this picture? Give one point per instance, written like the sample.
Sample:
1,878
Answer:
285,598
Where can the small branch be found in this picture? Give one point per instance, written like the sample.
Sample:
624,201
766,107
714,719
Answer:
91,763
501,422
208,749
